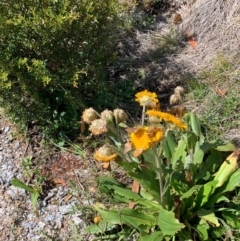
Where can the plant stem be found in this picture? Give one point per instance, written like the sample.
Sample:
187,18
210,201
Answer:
160,176
143,115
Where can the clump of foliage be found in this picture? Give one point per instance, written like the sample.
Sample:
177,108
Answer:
188,186
53,56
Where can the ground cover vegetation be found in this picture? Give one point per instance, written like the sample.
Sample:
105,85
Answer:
59,57
53,58
187,183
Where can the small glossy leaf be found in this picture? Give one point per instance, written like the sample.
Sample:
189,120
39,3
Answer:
167,222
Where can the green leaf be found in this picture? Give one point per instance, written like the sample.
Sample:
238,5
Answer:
190,192
210,165
191,140
99,228
167,222
218,145
202,229
216,199
156,236
208,216
198,156
34,197
233,182
195,125
17,183
130,195
232,219
128,216
205,192
227,147
179,154
169,146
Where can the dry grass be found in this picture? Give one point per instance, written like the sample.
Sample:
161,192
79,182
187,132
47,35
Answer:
216,25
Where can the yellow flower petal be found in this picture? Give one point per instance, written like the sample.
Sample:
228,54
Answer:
140,139
146,98
168,118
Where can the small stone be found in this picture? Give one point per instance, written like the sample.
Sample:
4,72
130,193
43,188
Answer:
65,208
17,145
6,129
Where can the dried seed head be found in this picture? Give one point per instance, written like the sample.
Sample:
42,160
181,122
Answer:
120,115
154,119
105,153
98,127
179,90
89,115
175,99
107,115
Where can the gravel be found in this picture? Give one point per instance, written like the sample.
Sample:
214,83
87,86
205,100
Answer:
18,221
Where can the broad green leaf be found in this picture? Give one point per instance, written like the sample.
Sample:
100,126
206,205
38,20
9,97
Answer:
99,228
17,183
198,156
156,236
205,192
190,192
233,182
130,195
232,219
208,216
179,154
127,216
227,147
167,222
195,126
191,140
216,198
220,146
227,168
210,165
202,229
169,146
149,156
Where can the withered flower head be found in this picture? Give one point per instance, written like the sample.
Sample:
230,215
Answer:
179,90
174,99
105,153
107,115
98,127
89,115
154,119
120,115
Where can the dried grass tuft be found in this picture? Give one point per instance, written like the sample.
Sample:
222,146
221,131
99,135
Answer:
216,25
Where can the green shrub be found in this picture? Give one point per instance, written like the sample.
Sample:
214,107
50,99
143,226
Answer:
53,56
